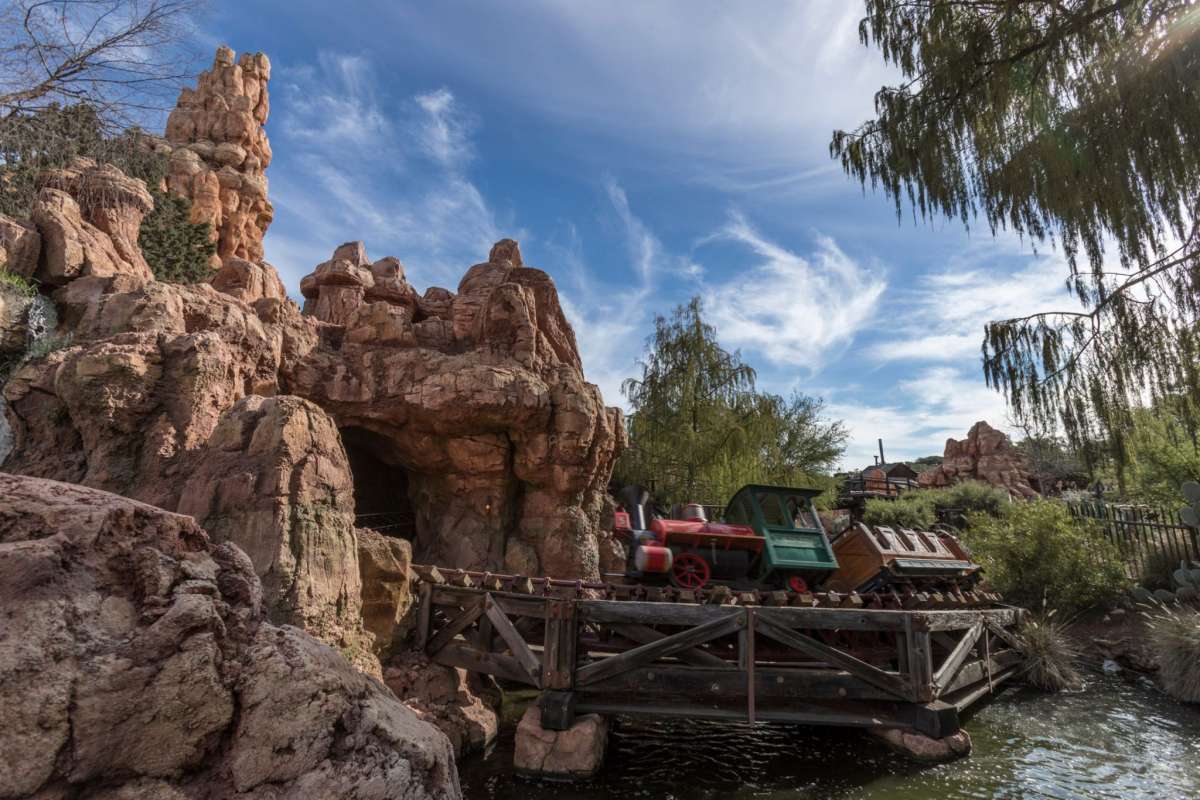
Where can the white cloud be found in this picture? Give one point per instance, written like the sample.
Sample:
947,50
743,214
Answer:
392,172
445,133
917,415
794,310
942,318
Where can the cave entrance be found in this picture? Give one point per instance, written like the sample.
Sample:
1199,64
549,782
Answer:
381,497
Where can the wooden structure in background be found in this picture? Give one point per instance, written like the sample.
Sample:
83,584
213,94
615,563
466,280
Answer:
775,656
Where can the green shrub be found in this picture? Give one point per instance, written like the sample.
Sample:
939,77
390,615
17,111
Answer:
1050,655
909,510
15,281
1037,554
176,248
972,497
1175,639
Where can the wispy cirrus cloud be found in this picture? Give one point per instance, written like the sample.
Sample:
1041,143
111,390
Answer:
795,310
363,164
942,317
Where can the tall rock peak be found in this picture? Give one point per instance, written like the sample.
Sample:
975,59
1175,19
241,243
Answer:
221,153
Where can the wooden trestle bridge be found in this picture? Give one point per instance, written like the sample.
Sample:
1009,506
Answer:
818,659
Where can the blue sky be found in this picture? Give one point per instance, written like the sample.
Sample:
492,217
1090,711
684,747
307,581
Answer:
641,153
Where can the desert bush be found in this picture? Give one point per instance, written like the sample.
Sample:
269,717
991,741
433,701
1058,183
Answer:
909,510
1038,555
972,497
1050,655
14,281
1175,639
920,508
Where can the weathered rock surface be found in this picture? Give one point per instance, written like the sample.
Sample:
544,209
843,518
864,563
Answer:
220,153
383,563
577,752
986,455
478,398
273,479
922,748
456,701
135,662
20,245
87,219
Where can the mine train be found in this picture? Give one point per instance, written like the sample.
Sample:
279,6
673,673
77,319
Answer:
771,537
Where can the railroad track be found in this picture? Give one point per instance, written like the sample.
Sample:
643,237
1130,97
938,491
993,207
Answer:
909,598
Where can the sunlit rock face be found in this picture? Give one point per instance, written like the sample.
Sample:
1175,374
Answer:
986,455
220,153
477,401
139,663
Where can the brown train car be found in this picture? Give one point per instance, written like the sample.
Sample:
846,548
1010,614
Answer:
869,557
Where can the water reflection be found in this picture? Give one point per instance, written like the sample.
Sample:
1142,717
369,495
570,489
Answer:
1116,739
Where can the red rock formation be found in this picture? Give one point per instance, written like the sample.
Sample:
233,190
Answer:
137,664
478,398
220,153
986,455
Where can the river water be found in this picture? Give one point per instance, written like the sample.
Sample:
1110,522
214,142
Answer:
1119,739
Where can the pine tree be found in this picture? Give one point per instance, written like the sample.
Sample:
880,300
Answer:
176,248
1075,122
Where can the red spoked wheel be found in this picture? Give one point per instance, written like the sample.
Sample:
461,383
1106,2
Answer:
690,571
797,584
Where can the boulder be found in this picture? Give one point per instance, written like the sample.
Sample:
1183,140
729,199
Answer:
137,663
986,455
88,218
383,563
220,153
479,398
577,752
20,246
459,703
273,479
924,749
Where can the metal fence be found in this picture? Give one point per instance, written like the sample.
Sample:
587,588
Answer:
1145,535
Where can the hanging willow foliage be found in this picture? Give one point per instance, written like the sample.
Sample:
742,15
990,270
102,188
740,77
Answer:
1070,121
699,430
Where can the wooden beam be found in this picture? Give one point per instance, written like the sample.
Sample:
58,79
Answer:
454,627
920,666
640,634
847,715
890,683
771,683
517,644
642,613
974,671
846,619
647,653
957,657
458,654
424,612
963,619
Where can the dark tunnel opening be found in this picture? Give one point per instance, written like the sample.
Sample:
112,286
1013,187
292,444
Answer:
381,485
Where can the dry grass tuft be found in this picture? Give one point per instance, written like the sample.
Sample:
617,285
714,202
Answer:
1175,638
1050,656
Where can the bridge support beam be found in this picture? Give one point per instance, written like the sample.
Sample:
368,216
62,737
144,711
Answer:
925,749
571,754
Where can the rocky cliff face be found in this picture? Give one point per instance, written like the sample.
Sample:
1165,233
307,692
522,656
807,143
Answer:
137,663
986,455
220,153
477,398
